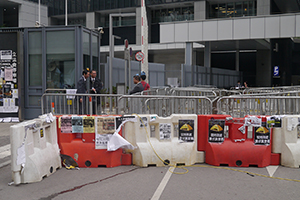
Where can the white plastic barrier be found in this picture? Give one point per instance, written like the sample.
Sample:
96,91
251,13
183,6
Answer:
34,150
174,140
276,140
290,146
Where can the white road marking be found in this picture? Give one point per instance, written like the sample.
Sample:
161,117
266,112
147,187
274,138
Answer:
4,151
5,163
272,169
5,148
163,184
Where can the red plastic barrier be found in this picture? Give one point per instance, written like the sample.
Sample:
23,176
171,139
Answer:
203,129
81,147
237,150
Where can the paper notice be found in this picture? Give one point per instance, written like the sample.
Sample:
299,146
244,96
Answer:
77,124
88,124
8,74
164,131
66,124
105,125
292,122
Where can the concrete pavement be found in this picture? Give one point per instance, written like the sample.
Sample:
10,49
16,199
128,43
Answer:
131,182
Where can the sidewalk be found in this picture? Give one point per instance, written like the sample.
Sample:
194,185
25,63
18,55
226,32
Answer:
5,133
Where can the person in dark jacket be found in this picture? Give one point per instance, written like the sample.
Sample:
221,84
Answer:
82,89
95,88
138,87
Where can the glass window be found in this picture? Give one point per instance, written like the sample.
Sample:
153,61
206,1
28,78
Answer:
86,50
246,9
35,58
238,9
95,52
60,59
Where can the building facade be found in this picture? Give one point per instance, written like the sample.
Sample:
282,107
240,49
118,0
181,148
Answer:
210,33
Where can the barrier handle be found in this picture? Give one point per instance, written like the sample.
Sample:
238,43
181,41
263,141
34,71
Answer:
52,108
239,140
91,105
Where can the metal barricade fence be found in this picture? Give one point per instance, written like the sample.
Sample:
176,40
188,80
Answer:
166,105
270,89
239,106
61,103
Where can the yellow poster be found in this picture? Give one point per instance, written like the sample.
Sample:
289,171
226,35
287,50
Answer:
88,124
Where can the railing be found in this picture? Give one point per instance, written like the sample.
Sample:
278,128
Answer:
239,106
99,104
270,89
164,105
61,103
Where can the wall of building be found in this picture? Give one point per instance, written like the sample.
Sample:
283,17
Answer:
263,7
263,68
29,13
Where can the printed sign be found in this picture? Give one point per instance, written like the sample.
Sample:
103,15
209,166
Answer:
6,54
88,124
186,130
274,121
276,71
77,124
119,120
101,141
262,135
105,127
253,121
164,131
143,121
216,130
66,124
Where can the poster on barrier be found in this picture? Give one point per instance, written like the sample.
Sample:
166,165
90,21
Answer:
104,129
216,130
164,131
262,135
143,121
186,130
274,121
119,120
89,124
66,124
77,124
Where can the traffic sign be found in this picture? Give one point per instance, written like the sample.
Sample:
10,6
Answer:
139,56
126,43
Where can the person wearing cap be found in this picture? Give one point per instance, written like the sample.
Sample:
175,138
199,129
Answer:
138,87
144,83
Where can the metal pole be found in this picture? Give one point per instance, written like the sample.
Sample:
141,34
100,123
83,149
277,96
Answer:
39,12
66,23
110,53
129,74
111,42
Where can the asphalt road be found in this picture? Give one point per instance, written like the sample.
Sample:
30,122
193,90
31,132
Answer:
131,182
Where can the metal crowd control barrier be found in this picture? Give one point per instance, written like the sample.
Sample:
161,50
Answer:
192,91
270,89
164,105
61,103
239,106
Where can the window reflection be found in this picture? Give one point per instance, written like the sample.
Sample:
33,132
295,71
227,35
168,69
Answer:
60,71
173,14
232,9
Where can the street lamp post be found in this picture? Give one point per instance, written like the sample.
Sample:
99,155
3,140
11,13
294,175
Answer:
111,42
